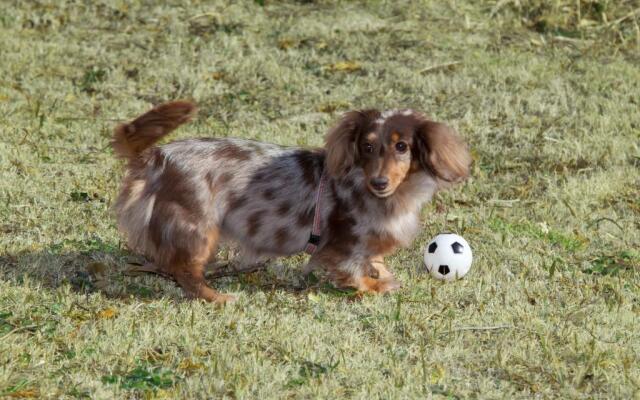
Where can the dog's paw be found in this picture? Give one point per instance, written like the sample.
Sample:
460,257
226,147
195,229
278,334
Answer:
213,297
383,285
376,269
222,299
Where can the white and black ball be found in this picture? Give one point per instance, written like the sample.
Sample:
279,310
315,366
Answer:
448,257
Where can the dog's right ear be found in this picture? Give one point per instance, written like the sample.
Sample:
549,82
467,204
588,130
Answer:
341,142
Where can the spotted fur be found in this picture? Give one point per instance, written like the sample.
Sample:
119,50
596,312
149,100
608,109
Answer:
179,200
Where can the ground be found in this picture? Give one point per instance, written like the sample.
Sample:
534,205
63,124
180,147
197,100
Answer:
547,93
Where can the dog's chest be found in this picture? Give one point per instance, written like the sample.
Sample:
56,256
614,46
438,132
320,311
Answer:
390,231
402,227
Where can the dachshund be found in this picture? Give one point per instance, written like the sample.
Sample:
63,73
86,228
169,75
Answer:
348,204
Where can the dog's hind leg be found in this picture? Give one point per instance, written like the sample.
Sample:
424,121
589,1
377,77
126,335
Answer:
190,276
183,249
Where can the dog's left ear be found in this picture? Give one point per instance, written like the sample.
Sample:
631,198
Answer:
442,152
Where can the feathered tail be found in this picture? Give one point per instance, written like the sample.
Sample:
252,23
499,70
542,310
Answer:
131,139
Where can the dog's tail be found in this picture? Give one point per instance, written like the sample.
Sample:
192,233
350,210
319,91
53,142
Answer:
131,139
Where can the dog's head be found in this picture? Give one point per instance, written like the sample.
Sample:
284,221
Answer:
392,145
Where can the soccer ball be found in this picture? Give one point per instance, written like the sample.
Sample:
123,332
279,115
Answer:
448,256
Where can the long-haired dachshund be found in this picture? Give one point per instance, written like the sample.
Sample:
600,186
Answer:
349,204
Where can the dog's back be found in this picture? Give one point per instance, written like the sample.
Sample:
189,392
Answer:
259,195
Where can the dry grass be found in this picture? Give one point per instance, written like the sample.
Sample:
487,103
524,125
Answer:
547,93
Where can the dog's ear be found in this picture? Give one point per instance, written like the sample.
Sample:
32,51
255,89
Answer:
441,151
341,142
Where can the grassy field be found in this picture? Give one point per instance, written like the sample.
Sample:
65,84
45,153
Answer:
546,92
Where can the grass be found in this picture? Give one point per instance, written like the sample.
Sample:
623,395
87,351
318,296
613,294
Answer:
546,92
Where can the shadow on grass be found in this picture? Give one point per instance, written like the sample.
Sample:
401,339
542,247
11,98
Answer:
97,267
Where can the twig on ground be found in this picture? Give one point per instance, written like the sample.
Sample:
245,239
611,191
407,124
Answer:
617,21
63,119
480,328
571,40
438,67
18,329
499,5
597,221
228,271
138,268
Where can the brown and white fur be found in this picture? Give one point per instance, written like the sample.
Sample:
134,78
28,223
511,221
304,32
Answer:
180,200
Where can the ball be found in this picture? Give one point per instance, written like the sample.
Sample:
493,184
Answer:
448,257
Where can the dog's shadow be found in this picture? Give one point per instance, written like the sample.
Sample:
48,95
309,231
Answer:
115,273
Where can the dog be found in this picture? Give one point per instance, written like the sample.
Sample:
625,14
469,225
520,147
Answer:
349,204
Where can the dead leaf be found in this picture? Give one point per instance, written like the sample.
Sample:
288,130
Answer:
437,373
344,66
189,365
78,315
25,394
107,313
285,44
333,106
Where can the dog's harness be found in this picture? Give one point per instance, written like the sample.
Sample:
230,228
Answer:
314,238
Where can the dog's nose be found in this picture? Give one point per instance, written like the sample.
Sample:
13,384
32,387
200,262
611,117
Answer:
379,183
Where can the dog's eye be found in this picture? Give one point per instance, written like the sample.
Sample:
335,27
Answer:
368,148
401,147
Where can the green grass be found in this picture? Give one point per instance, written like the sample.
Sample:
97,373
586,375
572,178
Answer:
546,92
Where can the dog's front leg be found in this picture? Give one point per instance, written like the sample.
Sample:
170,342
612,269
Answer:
376,277
311,266
377,269
367,276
